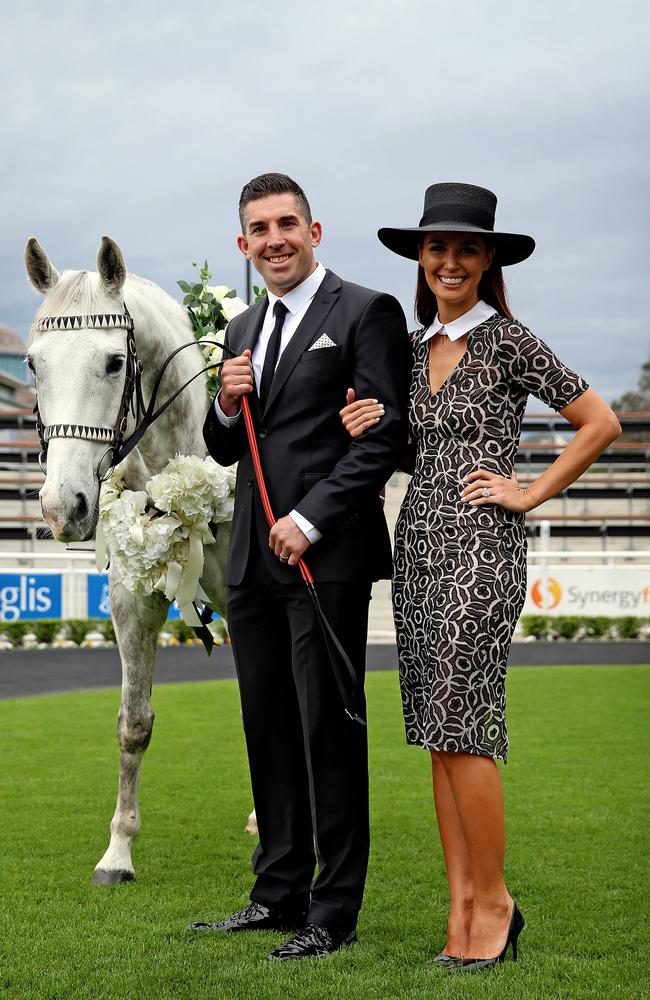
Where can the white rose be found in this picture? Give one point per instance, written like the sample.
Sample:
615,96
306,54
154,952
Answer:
232,307
218,291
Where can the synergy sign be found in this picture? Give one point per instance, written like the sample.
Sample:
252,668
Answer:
589,590
30,595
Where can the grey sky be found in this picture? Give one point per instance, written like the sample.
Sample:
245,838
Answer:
143,122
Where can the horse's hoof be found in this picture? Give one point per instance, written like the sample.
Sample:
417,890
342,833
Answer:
103,877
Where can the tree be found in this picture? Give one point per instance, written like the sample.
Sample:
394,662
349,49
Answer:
639,399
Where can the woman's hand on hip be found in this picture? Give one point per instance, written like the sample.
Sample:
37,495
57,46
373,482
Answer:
488,487
359,415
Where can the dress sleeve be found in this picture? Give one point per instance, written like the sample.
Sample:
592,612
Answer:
532,364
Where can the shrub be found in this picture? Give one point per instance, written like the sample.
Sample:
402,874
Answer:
16,630
597,625
46,628
628,627
77,628
537,625
105,626
566,625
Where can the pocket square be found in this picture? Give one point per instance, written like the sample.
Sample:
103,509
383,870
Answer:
323,341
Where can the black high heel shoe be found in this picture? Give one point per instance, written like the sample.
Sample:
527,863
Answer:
514,930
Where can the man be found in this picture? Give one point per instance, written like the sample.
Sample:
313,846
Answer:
297,352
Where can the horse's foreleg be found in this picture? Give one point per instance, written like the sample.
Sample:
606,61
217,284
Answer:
137,621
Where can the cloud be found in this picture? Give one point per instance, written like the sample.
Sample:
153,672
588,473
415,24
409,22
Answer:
144,123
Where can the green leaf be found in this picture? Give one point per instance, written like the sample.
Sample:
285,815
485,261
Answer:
197,289
232,294
188,299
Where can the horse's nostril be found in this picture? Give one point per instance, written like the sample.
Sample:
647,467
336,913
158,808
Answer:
81,506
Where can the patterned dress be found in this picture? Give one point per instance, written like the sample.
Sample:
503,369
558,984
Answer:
460,572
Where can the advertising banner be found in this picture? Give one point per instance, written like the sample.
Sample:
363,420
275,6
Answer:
30,595
588,590
99,602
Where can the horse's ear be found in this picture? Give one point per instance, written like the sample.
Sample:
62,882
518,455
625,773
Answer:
110,265
40,270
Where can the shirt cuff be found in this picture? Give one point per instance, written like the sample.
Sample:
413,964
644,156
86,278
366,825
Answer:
312,533
221,416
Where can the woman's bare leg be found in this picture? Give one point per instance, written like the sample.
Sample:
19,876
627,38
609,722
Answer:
457,861
476,788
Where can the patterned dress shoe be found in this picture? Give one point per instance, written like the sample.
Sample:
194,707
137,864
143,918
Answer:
314,941
255,917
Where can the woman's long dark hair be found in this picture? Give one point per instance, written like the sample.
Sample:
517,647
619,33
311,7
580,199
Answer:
491,289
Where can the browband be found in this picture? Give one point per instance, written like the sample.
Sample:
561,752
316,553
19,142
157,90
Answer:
96,321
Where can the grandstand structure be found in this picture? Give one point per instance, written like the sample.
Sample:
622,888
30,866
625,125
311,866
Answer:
608,507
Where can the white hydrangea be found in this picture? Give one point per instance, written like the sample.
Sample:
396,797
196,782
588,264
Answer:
147,531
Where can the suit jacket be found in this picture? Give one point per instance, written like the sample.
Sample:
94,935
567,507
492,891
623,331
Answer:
310,462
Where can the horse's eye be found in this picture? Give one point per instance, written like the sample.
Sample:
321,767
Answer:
30,364
114,365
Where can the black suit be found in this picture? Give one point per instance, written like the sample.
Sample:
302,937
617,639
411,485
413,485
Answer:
308,759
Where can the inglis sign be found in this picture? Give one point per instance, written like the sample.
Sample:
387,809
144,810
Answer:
29,595
589,590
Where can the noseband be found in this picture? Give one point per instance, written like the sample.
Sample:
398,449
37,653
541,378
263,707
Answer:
131,393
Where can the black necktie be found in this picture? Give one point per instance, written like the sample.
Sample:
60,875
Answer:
272,352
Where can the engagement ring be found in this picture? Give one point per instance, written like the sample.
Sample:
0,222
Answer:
486,491
284,558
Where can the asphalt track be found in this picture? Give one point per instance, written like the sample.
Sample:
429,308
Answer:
24,673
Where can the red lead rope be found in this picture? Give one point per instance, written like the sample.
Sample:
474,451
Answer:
350,691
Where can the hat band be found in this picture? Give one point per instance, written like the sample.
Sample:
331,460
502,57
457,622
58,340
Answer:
458,213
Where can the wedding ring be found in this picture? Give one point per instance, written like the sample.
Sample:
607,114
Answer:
486,491
284,558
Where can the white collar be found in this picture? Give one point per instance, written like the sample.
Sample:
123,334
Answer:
298,297
459,327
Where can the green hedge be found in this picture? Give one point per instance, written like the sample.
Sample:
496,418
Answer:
567,626
45,629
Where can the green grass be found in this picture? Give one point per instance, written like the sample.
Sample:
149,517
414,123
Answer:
577,855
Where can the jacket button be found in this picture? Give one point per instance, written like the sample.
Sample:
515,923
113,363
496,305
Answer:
263,432
250,480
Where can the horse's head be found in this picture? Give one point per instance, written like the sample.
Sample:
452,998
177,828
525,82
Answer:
80,371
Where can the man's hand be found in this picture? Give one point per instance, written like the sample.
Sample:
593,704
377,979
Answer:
288,541
236,381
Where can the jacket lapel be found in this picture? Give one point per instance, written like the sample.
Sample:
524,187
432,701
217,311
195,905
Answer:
248,330
305,335
245,338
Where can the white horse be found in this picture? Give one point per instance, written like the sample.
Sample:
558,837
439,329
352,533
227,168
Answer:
80,375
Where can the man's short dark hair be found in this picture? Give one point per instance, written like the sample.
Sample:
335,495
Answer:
266,184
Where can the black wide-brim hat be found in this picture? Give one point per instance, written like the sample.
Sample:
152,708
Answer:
459,208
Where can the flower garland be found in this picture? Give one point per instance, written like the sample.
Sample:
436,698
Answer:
154,538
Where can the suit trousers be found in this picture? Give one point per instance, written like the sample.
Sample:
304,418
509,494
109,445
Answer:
308,760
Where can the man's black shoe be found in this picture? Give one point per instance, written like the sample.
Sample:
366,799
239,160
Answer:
314,941
255,917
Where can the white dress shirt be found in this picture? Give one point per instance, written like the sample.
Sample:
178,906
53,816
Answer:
459,327
297,302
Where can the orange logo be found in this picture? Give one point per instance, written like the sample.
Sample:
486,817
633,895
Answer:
553,593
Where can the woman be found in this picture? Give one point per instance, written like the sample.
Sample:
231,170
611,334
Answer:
460,546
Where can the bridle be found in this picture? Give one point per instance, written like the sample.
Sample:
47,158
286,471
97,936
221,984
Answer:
131,400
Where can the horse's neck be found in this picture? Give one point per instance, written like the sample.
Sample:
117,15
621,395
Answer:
162,325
